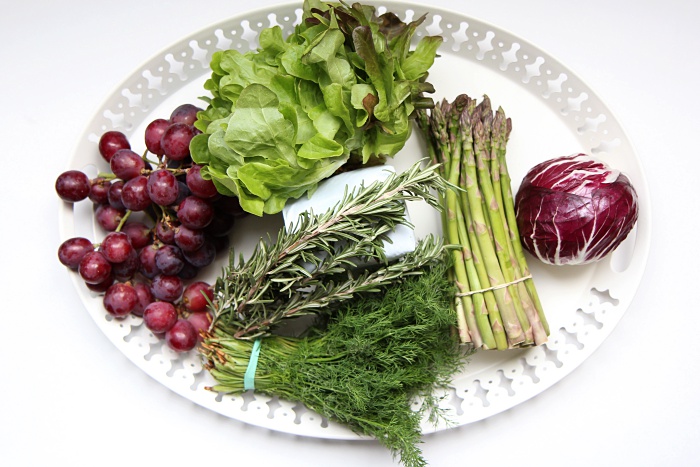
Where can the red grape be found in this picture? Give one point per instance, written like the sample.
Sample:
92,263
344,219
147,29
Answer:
73,186
195,295
202,257
114,194
176,141
109,217
185,113
159,316
120,299
135,195
147,258
189,239
72,251
126,270
182,336
111,142
162,187
94,268
126,164
165,231
153,135
116,247
145,298
201,320
195,212
199,186
138,232
99,189
166,288
169,260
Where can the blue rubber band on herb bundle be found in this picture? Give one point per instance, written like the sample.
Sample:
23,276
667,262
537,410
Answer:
249,377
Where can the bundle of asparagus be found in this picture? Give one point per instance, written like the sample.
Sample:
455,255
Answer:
497,303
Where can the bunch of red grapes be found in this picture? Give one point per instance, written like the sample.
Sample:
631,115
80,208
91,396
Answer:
149,267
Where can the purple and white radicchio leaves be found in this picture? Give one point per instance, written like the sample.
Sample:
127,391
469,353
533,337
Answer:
574,210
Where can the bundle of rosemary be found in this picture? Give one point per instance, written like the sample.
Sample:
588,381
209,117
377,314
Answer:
313,264
497,303
377,354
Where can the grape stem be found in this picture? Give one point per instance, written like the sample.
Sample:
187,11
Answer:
123,221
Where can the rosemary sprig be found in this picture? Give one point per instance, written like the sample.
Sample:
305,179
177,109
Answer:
313,263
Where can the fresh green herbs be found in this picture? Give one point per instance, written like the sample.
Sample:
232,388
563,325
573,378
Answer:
312,264
341,89
379,353
498,306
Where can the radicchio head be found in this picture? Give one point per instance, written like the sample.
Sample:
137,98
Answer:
574,210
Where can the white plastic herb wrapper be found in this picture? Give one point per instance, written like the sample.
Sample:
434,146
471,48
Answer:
330,192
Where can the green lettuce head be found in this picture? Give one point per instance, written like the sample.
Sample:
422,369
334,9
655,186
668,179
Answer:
341,90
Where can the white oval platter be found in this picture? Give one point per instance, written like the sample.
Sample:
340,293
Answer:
554,113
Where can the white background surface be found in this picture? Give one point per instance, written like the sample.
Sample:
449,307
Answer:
69,396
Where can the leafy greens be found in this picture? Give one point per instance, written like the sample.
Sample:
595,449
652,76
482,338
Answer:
341,90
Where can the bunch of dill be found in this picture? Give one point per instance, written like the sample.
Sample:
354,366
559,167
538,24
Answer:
376,354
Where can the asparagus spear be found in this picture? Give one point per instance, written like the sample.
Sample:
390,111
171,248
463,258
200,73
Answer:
540,325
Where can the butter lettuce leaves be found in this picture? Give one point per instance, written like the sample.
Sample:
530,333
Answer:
341,90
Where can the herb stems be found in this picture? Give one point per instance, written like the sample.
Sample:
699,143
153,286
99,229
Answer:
466,140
